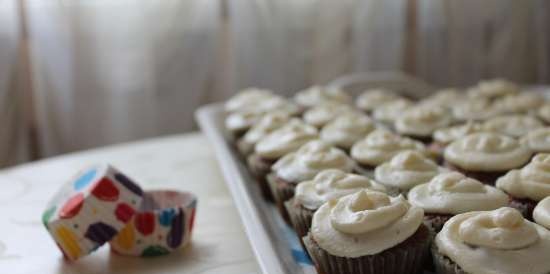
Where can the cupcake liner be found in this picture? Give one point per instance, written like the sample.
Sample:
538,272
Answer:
91,209
405,258
260,168
525,206
300,218
282,191
162,225
444,265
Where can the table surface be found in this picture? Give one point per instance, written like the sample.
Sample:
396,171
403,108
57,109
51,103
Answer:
182,162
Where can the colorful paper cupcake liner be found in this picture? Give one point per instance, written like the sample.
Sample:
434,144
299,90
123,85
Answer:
163,224
91,209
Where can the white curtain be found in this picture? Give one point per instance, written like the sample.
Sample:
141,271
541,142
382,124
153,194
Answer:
14,143
113,71
287,45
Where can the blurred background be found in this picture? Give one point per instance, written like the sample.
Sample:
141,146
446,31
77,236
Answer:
78,74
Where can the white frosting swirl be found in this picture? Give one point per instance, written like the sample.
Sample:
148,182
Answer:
495,242
267,124
444,98
346,129
423,120
486,151
513,125
372,98
541,214
544,113
474,109
406,170
380,146
532,181
316,95
492,89
520,103
242,120
322,114
332,184
311,159
454,193
247,98
390,111
447,135
364,223
286,139
537,140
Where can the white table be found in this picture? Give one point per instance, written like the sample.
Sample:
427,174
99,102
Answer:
183,162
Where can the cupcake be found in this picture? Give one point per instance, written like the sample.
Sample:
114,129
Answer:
275,145
240,121
320,115
444,136
512,125
525,102
493,89
303,165
421,121
544,113
541,214
387,113
346,129
327,185
445,98
406,170
267,124
528,185
380,146
247,98
368,233
490,242
372,98
537,140
485,156
317,95
473,110
451,193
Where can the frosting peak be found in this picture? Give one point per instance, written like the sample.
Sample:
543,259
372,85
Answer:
541,214
447,135
423,120
285,139
370,99
322,114
247,98
513,125
503,228
380,146
457,183
316,95
346,129
532,181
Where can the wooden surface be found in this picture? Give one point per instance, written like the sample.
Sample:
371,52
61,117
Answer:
184,162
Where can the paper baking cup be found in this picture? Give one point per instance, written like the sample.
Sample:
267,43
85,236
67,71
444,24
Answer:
163,224
91,209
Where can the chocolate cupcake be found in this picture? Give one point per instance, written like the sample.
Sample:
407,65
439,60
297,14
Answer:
493,89
316,95
373,98
275,145
537,140
406,170
421,121
528,185
444,136
368,233
380,146
327,185
267,124
486,242
320,115
522,103
451,193
541,214
387,113
485,156
346,129
303,165
512,125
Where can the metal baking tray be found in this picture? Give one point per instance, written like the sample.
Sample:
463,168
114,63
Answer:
274,243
